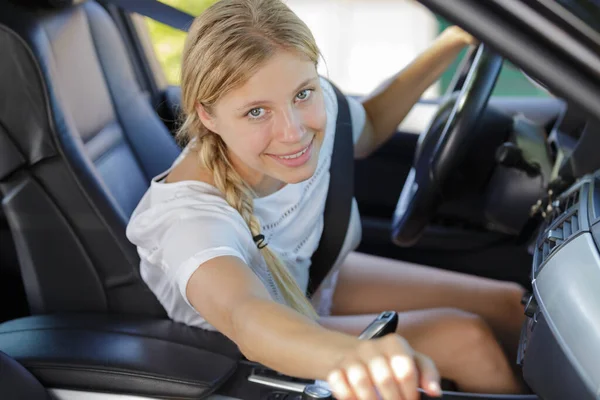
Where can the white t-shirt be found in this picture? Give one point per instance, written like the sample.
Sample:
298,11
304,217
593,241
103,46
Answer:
179,226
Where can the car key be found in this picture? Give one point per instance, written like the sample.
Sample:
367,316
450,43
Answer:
385,323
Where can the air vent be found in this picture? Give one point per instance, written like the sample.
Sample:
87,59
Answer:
559,233
563,206
571,200
562,225
596,201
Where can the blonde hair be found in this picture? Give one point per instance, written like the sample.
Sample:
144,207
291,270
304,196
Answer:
225,45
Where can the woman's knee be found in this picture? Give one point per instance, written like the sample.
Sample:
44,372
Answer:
463,347
514,293
508,303
464,337
465,327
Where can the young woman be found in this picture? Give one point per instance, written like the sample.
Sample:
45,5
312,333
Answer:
226,235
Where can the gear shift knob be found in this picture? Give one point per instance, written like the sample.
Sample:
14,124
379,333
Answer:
316,392
385,323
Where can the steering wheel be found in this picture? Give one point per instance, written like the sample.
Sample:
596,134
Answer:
444,143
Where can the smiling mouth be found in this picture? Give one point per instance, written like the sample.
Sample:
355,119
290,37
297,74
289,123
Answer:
296,155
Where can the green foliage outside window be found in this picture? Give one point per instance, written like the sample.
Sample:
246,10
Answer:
168,42
511,81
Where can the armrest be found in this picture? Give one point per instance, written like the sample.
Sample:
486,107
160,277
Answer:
120,354
17,382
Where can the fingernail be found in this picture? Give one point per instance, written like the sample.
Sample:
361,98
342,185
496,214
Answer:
435,387
401,366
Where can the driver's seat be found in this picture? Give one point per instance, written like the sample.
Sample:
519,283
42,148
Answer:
79,143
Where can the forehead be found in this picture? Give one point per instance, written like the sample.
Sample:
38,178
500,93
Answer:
276,79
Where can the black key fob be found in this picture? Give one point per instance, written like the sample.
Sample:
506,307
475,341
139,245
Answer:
385,323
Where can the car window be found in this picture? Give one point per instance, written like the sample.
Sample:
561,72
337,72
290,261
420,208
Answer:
192,7
367,42
168,42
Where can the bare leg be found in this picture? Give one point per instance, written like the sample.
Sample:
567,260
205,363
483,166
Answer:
369,284
461,345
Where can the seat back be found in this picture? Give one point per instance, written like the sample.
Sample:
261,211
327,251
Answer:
79,143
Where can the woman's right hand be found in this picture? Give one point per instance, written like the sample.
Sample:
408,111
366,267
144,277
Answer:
387,367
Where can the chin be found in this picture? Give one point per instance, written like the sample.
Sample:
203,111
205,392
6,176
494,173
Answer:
299,175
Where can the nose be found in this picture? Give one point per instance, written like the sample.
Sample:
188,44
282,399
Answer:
292,129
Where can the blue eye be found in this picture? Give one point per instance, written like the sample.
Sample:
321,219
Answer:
256,113
303,94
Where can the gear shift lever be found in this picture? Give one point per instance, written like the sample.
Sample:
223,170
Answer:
385,323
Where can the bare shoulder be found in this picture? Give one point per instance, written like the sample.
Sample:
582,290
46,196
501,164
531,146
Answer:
189,169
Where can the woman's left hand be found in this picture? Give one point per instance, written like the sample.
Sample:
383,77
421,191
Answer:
457,34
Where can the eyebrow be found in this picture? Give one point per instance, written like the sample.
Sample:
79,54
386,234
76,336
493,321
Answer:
260,102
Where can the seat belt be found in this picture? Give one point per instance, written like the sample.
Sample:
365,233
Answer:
338,205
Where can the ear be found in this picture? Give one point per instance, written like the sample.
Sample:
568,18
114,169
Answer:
205,117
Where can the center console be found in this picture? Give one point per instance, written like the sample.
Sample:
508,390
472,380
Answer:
560,343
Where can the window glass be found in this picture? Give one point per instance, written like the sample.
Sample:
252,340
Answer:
168,42
192,7
363,43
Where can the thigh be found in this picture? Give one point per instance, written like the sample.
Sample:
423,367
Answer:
434,332
460,344
369,284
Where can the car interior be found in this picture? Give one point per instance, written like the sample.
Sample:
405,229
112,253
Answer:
501,187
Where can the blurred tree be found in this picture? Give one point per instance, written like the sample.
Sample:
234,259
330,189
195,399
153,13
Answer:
168,42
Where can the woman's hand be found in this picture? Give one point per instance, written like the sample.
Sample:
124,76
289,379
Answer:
456,34
387,367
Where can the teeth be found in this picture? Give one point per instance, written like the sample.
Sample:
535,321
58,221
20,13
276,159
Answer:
298,154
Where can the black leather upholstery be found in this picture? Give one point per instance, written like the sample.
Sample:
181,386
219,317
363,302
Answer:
47,3
114,354
79,143
16,383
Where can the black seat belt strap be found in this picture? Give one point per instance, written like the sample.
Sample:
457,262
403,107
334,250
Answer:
338,205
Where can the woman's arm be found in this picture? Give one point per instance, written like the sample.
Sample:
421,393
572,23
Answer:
389,104
232,299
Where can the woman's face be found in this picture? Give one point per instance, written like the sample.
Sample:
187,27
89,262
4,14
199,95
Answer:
274,124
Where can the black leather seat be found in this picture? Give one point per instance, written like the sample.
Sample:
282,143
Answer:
79,143
16,383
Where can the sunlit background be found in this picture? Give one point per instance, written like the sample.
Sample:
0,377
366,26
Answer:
363,42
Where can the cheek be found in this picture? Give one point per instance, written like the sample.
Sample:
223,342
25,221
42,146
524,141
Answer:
247,141
315,116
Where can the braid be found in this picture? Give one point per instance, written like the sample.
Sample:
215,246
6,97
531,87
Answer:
213,154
